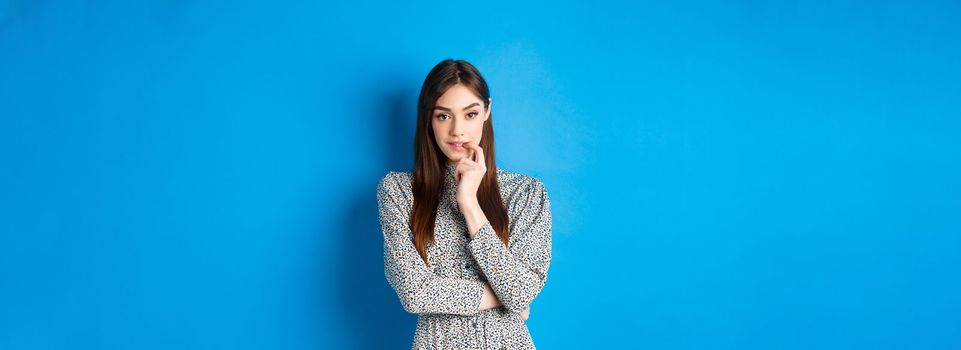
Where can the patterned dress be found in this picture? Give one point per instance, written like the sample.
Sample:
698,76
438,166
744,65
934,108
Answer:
446,295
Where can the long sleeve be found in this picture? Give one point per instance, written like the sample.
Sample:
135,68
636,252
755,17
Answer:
419,289
518,273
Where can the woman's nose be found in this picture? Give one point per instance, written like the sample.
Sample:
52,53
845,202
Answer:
455,130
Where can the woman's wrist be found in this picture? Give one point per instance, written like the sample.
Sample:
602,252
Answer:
468,203
475,218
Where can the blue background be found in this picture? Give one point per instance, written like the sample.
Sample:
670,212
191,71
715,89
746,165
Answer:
724,175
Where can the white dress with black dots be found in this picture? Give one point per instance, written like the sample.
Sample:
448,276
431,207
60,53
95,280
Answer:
446,295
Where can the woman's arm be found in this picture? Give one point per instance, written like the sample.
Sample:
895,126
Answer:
474,216
518,273
420,290
490,301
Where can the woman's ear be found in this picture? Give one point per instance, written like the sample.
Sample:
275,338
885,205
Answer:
490,105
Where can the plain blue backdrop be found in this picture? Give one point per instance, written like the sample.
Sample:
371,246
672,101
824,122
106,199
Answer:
723,174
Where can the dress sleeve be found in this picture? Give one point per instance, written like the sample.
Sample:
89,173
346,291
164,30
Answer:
518,273
419,289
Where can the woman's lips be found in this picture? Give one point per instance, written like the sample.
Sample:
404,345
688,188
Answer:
457,146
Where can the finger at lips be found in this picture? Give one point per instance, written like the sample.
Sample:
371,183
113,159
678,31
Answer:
477,154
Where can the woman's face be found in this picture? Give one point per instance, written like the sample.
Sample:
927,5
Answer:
458,116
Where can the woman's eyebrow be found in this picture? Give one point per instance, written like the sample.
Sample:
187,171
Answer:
465,108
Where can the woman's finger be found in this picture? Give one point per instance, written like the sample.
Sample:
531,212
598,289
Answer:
459,169
478,152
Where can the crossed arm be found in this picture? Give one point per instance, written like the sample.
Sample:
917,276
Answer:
515,276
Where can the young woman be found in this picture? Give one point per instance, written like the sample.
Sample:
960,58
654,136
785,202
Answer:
466,245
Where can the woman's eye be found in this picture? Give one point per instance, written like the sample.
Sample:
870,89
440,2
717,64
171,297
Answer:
472,114
442,116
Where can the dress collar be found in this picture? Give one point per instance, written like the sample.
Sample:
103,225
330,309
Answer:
449,183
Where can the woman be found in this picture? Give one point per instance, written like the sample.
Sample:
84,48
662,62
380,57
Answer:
466,245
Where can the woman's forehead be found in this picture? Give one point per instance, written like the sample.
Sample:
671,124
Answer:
458,97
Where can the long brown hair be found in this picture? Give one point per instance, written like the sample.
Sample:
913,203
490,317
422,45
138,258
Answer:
430,161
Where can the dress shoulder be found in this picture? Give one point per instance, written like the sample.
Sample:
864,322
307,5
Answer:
514,180
395,179
518,189
395,186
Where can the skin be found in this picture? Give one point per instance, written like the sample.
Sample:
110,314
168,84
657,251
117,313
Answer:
459,118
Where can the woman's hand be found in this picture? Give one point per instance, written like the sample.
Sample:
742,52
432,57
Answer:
526,313
468,174
489,300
